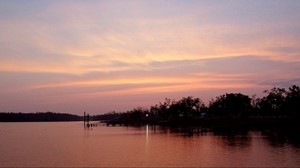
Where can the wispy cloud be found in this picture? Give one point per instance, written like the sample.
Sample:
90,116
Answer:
59,50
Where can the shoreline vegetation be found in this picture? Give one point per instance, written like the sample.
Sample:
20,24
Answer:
38,117
279,109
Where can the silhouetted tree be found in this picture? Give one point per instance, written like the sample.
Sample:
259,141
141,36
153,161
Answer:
136,116
293,101
233,105
254,104
108,116
161,110
274,103
187,107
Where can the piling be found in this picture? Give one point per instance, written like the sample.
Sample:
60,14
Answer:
84,119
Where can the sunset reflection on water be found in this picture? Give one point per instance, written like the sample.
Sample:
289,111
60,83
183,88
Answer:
68,144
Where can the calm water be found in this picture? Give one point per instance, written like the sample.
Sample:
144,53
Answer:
69,144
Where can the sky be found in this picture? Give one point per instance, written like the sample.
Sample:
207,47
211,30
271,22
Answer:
114,55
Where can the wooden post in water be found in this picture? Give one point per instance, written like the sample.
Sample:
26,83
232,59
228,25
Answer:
84,119
88,120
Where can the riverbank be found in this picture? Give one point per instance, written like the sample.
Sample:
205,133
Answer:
220,123
38,117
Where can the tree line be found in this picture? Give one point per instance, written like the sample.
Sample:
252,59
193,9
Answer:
279,103
39,116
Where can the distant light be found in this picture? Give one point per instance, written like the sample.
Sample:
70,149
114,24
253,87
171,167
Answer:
146,115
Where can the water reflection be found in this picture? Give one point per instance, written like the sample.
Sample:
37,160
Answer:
226,137
147,134
231,137
235,141
69,145
279,138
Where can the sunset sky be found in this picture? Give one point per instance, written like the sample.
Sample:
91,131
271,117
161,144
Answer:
98,56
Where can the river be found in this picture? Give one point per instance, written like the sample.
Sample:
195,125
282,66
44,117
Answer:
69,144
